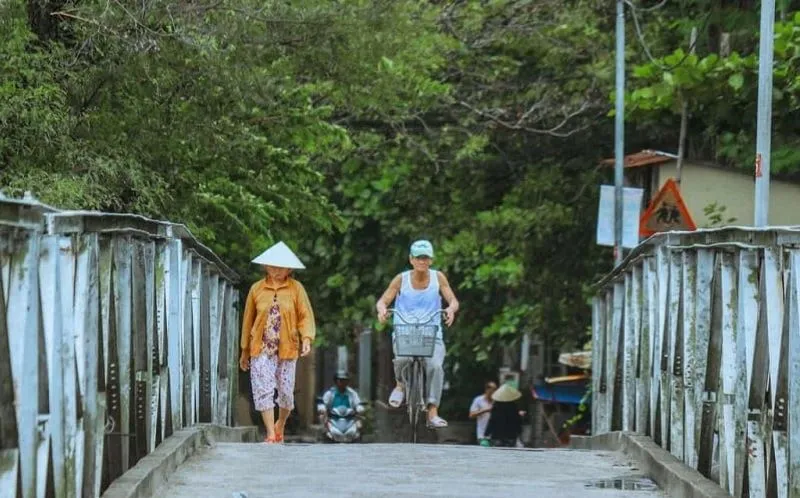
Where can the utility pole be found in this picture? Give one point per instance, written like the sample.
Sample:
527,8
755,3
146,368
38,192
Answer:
764,123
619,133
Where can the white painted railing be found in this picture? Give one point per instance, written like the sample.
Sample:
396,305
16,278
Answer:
696,343
115,330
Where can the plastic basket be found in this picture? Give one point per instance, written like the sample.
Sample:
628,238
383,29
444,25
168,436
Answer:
414,340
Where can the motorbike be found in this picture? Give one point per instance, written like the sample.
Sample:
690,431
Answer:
342,424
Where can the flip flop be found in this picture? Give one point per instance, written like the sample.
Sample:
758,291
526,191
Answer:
437,423
396,398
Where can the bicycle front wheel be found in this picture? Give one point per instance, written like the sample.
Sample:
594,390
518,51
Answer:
412,401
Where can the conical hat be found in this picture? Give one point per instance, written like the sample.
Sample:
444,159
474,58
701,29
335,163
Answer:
281,256
506,393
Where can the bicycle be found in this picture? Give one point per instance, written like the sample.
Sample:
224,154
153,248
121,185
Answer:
415,340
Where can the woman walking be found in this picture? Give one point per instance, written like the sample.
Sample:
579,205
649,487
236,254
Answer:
277,328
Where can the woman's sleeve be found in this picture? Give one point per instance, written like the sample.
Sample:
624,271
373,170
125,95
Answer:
305,315
247,320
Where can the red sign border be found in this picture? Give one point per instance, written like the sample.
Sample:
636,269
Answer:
669,185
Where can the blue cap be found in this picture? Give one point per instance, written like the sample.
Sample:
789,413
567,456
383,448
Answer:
421,248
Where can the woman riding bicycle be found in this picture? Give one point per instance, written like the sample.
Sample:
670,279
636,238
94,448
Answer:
419,294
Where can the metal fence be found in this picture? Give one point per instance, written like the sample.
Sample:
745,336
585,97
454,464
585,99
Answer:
697,344
115,331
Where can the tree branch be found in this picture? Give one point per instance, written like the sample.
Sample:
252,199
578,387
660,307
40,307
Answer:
555,131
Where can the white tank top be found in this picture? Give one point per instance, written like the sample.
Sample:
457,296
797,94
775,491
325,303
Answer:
418,304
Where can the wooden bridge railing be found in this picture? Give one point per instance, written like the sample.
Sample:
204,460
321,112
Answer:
697,344
115,331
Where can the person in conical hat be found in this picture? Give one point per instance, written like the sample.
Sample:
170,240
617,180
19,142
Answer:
505,422
277,328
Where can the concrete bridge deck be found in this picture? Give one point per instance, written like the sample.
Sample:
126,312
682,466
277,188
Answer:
396,470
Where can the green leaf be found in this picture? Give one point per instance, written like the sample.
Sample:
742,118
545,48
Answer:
736,81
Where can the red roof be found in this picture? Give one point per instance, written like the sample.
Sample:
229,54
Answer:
643,158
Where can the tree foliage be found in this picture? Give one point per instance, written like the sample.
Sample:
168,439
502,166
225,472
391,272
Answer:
349,129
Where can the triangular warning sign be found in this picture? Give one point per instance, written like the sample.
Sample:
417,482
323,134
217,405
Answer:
666,212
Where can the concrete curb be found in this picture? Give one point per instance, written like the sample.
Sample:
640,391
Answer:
672,476
152,471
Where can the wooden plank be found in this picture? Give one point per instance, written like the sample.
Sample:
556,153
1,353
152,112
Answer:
175,332
106,262
598,341
204,342
628,395
758,440
231,326
601,373
729,374
614,357
748,309
771,328
98,434
772,276
70,393
221,403
675,361
661,396
689,316
8,416
711,391
199,328
702,332
43,460
88,345
744,344
123,314
794,375
189,412
151,355
780,436
644,416
5,263
215,303
52,318
607,376
112,455
141,355
161,366
9,454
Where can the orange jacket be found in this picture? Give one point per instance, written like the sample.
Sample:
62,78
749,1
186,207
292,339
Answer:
297,317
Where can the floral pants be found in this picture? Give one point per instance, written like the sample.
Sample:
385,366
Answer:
268,373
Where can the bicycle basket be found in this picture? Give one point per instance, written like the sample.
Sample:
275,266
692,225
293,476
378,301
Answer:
414,340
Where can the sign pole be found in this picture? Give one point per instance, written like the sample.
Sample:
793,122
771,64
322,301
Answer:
764,120
619,134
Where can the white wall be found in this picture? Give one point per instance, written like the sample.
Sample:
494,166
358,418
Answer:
702,184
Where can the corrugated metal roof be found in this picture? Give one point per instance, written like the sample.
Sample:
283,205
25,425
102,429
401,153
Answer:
643,158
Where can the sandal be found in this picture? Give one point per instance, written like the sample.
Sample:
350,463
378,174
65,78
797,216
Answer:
396,398
437,423
271,440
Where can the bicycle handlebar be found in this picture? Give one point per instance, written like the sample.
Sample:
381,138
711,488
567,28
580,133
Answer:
410,322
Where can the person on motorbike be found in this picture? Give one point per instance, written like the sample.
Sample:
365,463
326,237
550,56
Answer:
418,294
341,394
